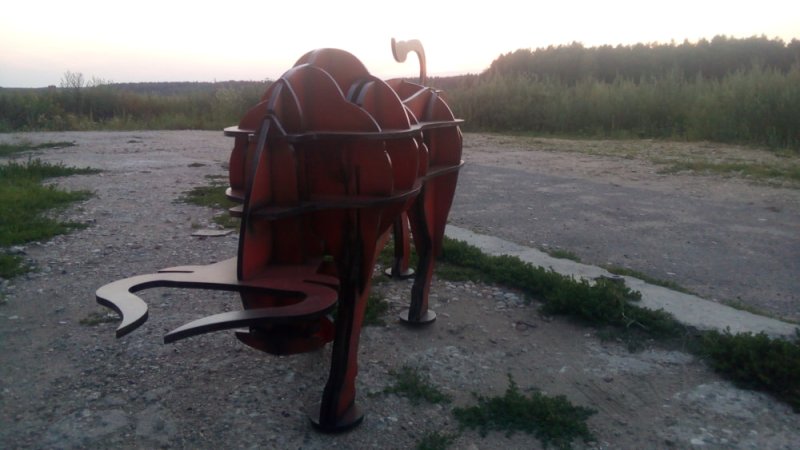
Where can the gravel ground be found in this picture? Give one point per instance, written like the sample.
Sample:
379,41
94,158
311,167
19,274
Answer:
64,384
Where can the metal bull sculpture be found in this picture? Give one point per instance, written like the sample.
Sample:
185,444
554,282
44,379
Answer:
325,166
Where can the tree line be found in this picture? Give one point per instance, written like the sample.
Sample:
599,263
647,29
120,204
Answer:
712,59
725,89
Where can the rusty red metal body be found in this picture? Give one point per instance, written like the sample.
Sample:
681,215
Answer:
326,166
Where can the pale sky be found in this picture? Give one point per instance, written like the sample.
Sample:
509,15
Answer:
166,40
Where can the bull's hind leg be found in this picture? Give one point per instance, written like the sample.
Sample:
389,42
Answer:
418,312
402,249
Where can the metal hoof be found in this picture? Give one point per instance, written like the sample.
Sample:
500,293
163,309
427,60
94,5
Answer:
349,420
409,273
425,319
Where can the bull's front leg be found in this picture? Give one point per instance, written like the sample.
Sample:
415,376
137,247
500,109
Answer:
338,409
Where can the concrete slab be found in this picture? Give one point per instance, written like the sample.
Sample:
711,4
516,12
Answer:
688,309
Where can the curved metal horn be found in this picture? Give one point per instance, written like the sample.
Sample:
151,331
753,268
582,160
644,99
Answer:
401,49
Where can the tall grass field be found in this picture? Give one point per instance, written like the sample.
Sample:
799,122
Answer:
726,90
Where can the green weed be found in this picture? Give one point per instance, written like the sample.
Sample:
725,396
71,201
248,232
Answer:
225,220
376,309
756,361
609,303
742,306
455,272
411,383
436,441
386,255
38,170
602,303
648,279
213,196
11,266
562,254
11,149
553,420
24,202
787,171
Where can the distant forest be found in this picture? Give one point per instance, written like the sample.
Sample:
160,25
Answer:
712,59
725,89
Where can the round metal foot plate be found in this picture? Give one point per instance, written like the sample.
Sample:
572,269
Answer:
402,276
426,318
349,420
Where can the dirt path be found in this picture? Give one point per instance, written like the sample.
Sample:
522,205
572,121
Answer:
64,384
723,238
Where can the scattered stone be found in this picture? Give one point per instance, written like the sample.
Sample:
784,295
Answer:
212,233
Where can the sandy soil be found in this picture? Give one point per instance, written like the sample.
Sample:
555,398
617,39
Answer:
68,385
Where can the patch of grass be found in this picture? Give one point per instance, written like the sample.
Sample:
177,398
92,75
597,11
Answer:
609,303
386,255
553,420
96,318
753,170
742,306
213,196
456,272
11,266
379,278
38,170
561,254
24,202
225,220
756,361
11,149
436,441
602,303
648,279
411,383
376,309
